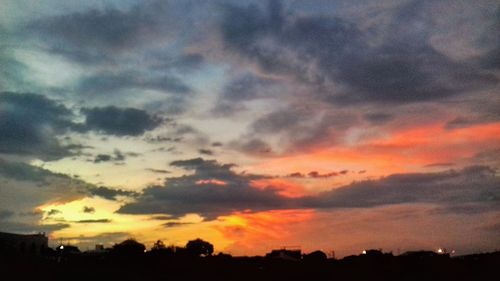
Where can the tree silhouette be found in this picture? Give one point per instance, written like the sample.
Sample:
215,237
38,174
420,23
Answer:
158,246
199,247
129,247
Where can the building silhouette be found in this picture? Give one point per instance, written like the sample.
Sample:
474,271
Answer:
23,244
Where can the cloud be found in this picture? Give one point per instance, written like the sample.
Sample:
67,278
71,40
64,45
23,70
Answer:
378,118
4,214
295,128
120,121
117,157
19,227
87,209
29,124
107,83
202,192
53,212
175,224
94,35
440,164
252,146
240,89
94,221
214,190
159,171
474,184
402,67
23,188
110,193
315,174
102,158
205,151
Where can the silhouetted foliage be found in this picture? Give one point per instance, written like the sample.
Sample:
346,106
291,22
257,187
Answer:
129,247
158,245
199,247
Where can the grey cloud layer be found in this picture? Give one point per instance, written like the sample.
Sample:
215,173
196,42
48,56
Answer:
30,124
94,35
373,63
403,68
476,186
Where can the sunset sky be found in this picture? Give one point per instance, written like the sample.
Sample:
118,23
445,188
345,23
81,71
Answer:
332,125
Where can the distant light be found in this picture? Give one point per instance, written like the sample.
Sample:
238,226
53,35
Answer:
61,247
440,251
364,252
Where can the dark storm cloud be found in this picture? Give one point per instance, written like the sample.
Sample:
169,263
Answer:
403,68
29,124
120,121
214,190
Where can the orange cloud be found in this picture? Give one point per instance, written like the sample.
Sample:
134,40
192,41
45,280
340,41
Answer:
407,150
286,188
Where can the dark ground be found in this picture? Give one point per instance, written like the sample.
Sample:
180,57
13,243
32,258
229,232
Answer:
167,267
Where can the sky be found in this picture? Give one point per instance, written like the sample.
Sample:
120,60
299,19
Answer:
255,125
